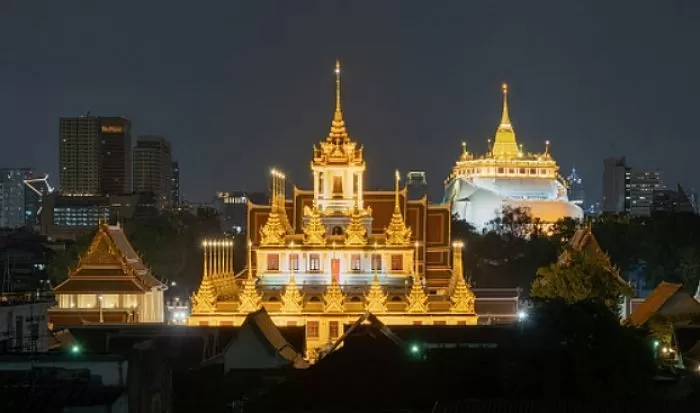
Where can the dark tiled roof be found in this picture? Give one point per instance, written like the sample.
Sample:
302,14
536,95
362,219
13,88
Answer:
261,321
76,285
654,302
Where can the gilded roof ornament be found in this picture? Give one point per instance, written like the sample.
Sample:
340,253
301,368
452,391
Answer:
204,300
417,300
277,225
375,300
333,298
292,298
397,233
356,233
250,299
314,230
338,148
461,295
505,144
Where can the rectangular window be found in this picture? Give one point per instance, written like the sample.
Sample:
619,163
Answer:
333,329
533,171
314,262
511,171
501,170
337,186
417,323
355,262
376,262
522,171
397,262
439,323
312,329
294,262
273,262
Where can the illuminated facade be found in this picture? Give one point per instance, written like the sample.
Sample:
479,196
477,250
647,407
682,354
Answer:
333,253
109,285
480,187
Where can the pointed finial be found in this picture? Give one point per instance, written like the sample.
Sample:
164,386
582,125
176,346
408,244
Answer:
396,189
505,119
337,85
546,147
464,148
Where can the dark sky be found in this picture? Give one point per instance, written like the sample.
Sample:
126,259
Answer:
239,87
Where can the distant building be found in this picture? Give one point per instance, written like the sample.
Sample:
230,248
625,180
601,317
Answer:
642,186
232,208
153,169
38,189
416,184
575,188
23,324
616,181
667,200
13,197
94,155
175,183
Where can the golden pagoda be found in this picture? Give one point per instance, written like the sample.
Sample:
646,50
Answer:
479,187
461,295
331,253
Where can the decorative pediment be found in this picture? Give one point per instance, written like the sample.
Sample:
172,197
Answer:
101,252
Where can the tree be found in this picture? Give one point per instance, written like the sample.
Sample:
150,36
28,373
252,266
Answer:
581,278
581,350
64,261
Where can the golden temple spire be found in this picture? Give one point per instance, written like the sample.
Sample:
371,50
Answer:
397,233
356,233
314,230
504,144
250,299
333,298
417,300
375,300
461,295
292,299
204,301
338,134
505,119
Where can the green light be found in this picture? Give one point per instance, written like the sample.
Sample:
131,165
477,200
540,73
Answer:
656,343
75,349
415,349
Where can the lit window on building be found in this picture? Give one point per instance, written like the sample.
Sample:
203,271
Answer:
376,262
312,329
314,262
294,262
397,262
501,170
273,262
355,262
333,329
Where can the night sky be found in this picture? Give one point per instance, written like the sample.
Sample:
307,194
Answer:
239,87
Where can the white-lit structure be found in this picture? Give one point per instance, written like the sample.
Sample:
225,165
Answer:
480,187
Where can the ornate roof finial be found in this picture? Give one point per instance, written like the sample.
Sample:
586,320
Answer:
338,133
505,119
417,300
461,295
375,300
292,299
314,230
337,86
397,233
333,298
250,299
204,301
356,233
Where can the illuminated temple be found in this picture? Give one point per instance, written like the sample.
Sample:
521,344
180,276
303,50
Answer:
480,187
333,253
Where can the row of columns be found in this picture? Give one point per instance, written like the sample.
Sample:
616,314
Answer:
218,257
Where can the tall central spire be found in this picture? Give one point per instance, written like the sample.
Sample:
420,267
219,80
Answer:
504,144
338,133
505,119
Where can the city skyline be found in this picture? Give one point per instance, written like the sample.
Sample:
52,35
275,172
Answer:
236,97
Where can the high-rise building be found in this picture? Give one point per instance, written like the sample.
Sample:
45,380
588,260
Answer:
642,185
153,169
668,200
13,197
94,155
175,183
115,156
232,208
416,184
575,188
616,182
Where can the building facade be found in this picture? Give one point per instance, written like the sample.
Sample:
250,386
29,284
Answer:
23,324
642,185
480,187
616,185
175,183
94,155
233,209
334,252
153,169
109,285
14,197
416,184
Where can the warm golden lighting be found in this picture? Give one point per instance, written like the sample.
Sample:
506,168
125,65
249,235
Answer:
457,244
